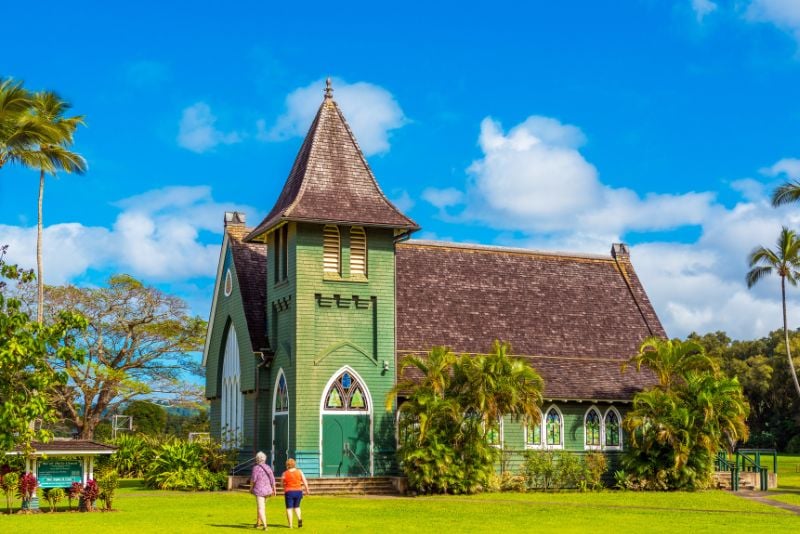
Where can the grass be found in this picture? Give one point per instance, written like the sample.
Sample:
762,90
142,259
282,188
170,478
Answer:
141,511
788,489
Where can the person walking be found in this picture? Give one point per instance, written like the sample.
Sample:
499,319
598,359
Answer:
294,481
262,482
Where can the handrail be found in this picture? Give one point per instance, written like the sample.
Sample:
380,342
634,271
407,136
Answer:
242,465
349,451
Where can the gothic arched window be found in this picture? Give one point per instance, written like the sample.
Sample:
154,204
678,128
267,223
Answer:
553,427
591,426
346,394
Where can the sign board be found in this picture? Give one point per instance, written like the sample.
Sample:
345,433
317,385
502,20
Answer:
59,473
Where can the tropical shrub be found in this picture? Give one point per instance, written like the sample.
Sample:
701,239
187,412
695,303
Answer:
74,493
26,488
108,484
444,424
595,465
677,427
133,455
180,465
9,483
89,495
53,496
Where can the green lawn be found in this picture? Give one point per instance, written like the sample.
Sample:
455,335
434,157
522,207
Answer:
788,489
142,511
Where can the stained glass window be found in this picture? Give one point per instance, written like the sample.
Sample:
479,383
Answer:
553,427
592,428
612,429
533,432
282,395
346,394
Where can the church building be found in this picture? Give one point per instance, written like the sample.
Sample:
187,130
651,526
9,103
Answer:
314,307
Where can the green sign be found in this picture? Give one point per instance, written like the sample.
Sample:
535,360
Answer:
59,473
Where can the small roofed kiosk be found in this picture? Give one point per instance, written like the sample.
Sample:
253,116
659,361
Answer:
55,464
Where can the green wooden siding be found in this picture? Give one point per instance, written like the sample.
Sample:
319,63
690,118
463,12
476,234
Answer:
229,309
321,324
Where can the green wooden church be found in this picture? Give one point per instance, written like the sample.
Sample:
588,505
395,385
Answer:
314,307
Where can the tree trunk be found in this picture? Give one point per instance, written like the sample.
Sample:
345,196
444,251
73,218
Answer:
786,337
39,268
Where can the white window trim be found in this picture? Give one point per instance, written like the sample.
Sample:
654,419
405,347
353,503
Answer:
228,285
280,413
603,431
601,422
533,446
561,430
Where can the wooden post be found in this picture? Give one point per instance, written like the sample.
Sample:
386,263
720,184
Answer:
85,469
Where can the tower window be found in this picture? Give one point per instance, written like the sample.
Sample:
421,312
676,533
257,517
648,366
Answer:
358,251
331,250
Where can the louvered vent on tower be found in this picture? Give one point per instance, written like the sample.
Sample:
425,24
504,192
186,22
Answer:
358,251
331,249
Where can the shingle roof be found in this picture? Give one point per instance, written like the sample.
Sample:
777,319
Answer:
575,317
250,260
331,181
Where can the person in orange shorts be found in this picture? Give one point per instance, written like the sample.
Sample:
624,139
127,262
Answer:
294,481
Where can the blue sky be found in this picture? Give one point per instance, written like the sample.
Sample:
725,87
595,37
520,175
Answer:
557,125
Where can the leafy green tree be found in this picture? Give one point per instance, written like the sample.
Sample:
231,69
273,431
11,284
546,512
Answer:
140,342
28,351
784,261
148,418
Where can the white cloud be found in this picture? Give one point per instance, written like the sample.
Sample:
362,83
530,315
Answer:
534,178
371,111
785,14
702,8
403,201
443,198
788,166
156,236
533,181
197,131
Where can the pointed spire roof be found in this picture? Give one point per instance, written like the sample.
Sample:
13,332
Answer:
331,182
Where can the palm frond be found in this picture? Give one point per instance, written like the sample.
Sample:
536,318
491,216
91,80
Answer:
787,193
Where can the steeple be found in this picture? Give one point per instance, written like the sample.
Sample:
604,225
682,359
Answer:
331,181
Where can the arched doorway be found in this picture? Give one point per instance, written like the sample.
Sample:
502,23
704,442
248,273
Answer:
346,426
280,423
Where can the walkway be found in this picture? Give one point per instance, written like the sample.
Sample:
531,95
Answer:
763,498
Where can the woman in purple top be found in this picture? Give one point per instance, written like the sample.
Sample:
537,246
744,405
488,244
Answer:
263,485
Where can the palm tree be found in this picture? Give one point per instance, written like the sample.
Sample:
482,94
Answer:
16,132
784,261
787,193
49,154
671,359
496,384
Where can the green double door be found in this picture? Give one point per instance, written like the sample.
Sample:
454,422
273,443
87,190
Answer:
280,442
345,445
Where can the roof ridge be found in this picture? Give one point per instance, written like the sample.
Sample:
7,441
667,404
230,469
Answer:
499,248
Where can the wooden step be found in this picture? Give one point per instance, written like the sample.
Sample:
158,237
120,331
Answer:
341,486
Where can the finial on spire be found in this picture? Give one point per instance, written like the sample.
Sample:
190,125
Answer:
328,88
